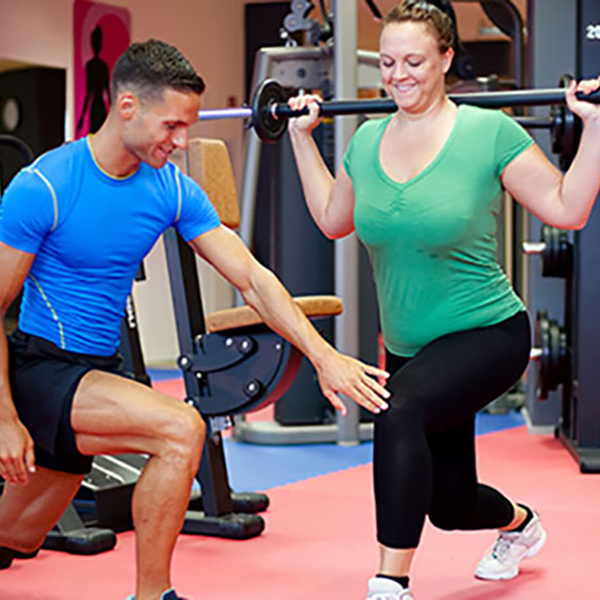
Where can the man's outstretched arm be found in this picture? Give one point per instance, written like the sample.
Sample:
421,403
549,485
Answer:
261,289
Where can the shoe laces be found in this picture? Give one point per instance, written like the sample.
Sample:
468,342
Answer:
502,546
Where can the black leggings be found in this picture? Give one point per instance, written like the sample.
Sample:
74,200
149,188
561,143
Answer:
424,451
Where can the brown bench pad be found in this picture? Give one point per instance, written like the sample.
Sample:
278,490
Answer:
245,316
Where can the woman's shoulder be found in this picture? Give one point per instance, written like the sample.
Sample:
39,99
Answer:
482,124
368,133
483,116
372,126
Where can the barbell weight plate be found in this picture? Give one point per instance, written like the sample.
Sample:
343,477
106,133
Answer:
557,256
566,128
554,363
268,126
548,253
541,338
565,358
554,371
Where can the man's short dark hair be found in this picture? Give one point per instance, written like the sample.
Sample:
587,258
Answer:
150,67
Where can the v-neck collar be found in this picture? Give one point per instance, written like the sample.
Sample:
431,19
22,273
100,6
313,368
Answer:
429,167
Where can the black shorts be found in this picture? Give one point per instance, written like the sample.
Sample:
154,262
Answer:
43,380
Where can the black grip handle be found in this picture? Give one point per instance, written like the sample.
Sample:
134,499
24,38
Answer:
594,97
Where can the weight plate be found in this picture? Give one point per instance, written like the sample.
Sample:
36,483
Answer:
554,367
565,130
557,257
268,127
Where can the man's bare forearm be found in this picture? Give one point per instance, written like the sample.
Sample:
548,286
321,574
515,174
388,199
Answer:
270,299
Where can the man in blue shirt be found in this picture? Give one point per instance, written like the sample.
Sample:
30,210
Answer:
74,227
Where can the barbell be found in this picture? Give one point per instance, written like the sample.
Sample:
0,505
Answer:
269,112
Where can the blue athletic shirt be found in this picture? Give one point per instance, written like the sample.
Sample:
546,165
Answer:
89,232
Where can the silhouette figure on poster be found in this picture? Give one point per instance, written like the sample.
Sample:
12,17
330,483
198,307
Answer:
96,81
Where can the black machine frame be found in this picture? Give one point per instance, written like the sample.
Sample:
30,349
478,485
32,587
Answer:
579,425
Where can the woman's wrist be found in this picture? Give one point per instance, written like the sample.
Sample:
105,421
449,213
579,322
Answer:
299,132
593,122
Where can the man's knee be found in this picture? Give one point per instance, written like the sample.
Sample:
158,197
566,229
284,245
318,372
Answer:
185,434
22,539
27,543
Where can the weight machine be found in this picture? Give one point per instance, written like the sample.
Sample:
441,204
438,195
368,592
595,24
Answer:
568,352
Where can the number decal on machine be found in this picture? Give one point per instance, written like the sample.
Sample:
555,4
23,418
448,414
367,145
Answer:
593,32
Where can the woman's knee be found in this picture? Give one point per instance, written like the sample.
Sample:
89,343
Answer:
403,413
451,516
443,520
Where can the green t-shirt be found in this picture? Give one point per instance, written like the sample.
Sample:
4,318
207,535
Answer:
432,240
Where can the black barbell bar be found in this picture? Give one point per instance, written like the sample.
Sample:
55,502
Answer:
270,113
483,99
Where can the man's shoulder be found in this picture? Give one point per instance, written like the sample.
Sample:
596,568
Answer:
56,157
60,167
170,171
57,165
172,180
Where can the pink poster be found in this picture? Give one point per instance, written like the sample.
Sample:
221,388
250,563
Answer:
101,35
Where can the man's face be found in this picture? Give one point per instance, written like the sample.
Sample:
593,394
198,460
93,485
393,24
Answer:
156,129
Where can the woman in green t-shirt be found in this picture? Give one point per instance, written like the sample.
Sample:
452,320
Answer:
422,189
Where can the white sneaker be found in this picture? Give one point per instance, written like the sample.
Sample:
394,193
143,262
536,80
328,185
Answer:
381,588
501,561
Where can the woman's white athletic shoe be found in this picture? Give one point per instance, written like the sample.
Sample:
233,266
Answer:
502,560
381,588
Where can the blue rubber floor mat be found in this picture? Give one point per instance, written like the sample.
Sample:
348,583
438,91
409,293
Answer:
253,467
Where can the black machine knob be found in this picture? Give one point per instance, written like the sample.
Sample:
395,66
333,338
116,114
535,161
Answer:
254,388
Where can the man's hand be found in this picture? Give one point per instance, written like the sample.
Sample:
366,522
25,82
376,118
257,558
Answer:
17,458
342,374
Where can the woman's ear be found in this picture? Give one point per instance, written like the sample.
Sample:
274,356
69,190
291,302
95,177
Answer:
447,58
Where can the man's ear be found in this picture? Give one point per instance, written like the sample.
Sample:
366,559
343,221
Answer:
127,105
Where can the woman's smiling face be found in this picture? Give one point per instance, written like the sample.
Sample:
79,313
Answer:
412,66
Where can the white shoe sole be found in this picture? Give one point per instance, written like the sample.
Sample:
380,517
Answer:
512,573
